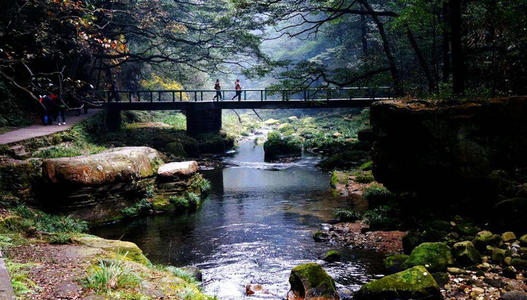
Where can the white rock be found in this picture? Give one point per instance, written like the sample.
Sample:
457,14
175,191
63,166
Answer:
175,169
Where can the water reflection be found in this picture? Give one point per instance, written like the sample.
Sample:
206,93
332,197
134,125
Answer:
255,227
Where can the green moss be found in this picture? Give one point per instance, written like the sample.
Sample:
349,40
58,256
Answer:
319,236
363,176
485,238
435,256
331,256
414,283
376,194
338,177
366,166
466,253
520,264
312,279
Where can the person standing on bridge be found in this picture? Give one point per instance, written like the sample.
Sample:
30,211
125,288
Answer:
238,89
217,87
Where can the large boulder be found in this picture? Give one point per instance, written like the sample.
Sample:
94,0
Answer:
175,170
486,238
100,187
310,281
415,283
435,256
110,166
434,148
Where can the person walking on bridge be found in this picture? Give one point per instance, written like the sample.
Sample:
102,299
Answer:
238,89
217,87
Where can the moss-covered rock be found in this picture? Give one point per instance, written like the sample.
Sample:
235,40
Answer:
508,236
523,240
116,247
435,256
320,236
466,253
485,238
518,263
176,149
276,146
497,254
393,263
414,283
331,256
310,281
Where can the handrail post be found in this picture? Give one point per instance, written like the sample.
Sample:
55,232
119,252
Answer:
261,95
138,97
201,95
130,97
244,95
265,94
195,96
180,96
223,95
159,96
173,96
151,96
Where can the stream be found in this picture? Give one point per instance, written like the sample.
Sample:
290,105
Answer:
255,226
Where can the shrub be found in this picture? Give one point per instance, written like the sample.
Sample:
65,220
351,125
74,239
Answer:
382,217
376,195
140,207
49,223
347,215
60,238
363,177
179,202
110,275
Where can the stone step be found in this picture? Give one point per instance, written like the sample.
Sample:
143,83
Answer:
19,151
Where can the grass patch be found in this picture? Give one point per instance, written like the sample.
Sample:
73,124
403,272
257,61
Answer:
110,275
48,223
347,215
22,285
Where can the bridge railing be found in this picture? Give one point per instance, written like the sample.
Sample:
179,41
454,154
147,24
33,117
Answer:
313,94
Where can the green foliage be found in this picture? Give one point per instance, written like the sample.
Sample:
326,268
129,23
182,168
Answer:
20,282
190,201
382,217
110,275
58,151
182,273
277,146
49,223
376,194
347,215
60,238
138,208
363,176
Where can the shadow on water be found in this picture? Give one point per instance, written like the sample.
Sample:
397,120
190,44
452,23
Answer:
255,227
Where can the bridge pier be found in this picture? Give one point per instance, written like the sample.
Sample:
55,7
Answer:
203,118
113,118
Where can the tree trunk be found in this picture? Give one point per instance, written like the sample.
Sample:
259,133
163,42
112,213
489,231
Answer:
421,59
364,32
445,47
458,66
397,84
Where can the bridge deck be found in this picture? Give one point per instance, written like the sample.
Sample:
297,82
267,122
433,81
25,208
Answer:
244,104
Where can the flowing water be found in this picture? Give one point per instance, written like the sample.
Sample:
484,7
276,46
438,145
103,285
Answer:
254,228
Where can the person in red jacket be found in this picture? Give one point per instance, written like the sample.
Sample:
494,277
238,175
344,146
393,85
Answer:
238,89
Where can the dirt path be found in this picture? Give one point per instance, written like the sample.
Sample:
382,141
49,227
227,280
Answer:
41,130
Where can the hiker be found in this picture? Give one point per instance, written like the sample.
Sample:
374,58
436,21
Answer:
46,109
238,89
114,94
217,87
60,109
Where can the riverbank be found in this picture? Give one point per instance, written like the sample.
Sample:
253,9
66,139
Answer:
49,257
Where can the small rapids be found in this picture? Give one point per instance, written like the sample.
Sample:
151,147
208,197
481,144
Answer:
254,228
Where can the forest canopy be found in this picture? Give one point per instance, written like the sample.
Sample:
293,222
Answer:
420,48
